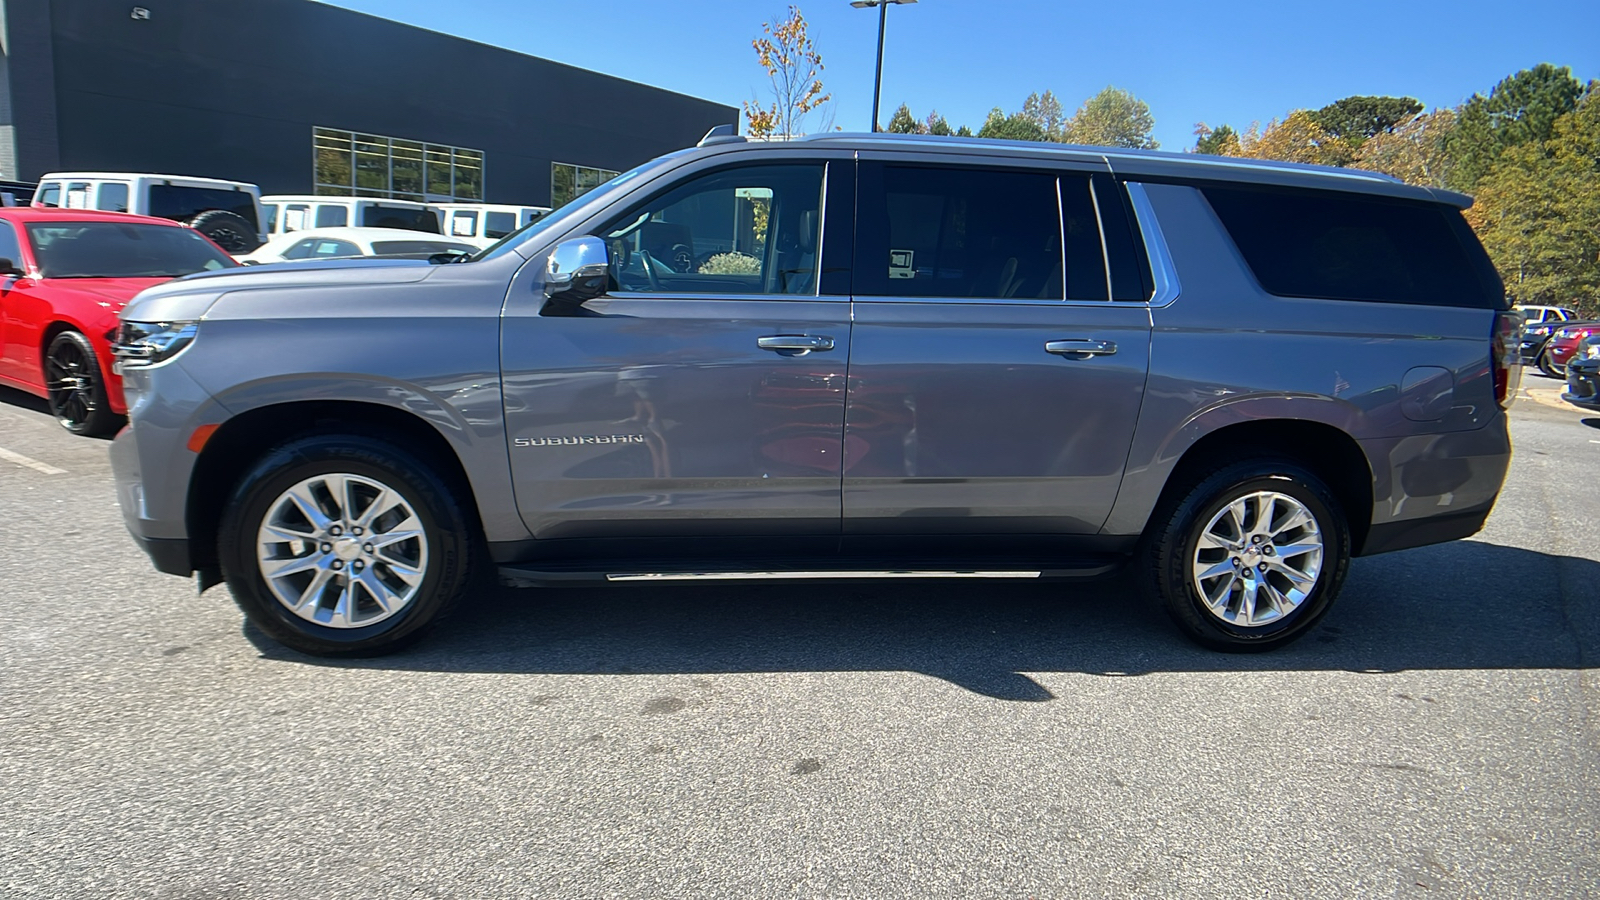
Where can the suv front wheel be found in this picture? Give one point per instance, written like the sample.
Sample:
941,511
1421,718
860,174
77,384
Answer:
1251,557
338,545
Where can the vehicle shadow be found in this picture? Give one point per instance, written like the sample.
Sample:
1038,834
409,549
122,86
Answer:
1463,605
14,397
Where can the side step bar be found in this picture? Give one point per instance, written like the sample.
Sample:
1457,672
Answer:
534,575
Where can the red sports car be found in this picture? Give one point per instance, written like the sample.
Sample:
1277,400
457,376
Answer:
65,274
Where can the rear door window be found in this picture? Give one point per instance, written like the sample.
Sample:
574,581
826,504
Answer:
50,194
332,215
969,232
378,215
499,224
181,204
113,196
1341,246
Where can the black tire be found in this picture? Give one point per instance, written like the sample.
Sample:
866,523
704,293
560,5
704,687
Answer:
1173,543
75,387
451,542
230,231
1549,368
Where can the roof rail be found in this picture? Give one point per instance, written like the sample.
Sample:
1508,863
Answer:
722,134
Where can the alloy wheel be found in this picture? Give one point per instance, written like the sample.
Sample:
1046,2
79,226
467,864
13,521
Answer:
70,382
1257,559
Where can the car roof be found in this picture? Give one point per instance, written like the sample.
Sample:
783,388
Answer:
129,176
335,198
61,214
1129,163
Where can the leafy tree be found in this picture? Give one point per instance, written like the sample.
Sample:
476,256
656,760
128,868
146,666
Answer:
935,124
1414,152
1015,127
964,131
1111,118
794,68
1537,212
1521,109
1221,141
1297,138
1044,110
1355,119
903,122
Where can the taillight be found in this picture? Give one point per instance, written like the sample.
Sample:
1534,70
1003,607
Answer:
1504,357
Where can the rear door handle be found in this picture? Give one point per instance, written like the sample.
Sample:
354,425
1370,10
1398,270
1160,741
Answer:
795,344
1079,347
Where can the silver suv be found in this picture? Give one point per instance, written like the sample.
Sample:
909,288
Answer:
844,356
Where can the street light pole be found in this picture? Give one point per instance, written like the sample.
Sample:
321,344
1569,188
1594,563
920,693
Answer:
883,20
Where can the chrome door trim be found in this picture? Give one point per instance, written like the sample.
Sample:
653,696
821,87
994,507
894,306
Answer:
770,576
1162,270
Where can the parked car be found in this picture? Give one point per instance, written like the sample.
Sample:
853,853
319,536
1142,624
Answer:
1534,338
347,243
226,212
1562,344
64,276
1583,375
297,212
1534,315
972,359
485,223
16,193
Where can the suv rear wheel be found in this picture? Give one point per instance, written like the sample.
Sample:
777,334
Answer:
1251,557
338,545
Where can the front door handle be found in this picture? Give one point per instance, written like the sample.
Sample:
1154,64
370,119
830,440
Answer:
794,344
1079,348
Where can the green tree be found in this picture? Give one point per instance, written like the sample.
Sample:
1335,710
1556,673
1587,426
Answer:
1414,151
1220,141
1521,109
794,70
1015,127
1537,212
1111,118
1044,110
936,124
1355,119
903,122
964,131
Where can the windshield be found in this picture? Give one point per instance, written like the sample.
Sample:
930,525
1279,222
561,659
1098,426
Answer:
121,250
527,232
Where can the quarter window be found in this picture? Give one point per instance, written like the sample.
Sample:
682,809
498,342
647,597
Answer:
499,224
50,194
113,196
10,248
750,230
332,215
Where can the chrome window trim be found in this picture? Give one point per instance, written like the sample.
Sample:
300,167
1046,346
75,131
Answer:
1105,249
663,295
1162,270
1002,301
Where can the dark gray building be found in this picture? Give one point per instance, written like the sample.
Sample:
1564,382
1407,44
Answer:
301,97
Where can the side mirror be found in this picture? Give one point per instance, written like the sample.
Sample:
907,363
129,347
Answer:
578,270
9,267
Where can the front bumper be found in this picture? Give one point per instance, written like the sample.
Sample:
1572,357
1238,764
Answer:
1583,384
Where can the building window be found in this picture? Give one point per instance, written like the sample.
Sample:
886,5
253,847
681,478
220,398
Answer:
568,181
350,163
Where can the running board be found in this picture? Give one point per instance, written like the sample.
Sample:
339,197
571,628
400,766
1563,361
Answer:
589,572
809,576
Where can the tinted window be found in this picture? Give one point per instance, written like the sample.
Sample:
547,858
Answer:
270,210
1130,266
927,232
301,250
499,224
380,216
418,248
332,216
327,248
750,230
9,247
1086,264
49,194
116,250
1347,247
113,196
181,204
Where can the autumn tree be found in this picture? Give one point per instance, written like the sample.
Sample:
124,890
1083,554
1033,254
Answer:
1111,118
1219,141
1296,138
794,69
1355,119
1521,109
1414,152
1537,212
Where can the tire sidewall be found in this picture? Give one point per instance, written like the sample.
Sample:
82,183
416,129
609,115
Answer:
284,467
1216,493
96,422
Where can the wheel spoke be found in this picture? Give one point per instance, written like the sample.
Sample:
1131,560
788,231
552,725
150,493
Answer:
344,607
1294,550
1222,568
1210,540
380,504
378,591
312,595
307,504
1217,597
285,533
1297,519
1247,601
1303,580
293,565
404,571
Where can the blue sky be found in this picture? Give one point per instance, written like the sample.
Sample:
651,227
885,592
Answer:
1230,62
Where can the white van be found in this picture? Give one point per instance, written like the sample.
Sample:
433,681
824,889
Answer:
297,212
227,212
485,223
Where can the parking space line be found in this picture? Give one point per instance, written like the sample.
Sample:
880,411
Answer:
31,463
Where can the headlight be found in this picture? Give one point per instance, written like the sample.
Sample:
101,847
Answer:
148,343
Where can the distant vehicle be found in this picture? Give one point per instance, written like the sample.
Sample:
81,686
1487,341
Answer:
16,193
1534,315
65,274
485,223
1583,375
297,212
227,212
348,243
1563,345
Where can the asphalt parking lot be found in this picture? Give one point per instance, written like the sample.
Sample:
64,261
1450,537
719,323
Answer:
1438,736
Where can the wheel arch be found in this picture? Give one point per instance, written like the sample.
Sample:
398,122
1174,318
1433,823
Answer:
239,441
